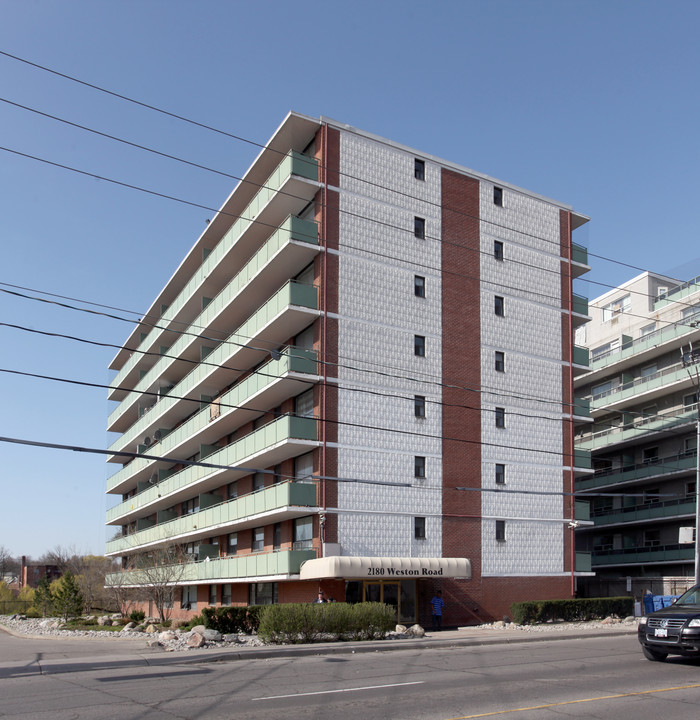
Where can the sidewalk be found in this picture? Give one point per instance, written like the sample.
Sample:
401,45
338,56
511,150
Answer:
48,655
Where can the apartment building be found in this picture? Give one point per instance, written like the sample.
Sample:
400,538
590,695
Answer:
642,391
359,379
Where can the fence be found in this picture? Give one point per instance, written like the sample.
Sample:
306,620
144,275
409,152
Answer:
10,607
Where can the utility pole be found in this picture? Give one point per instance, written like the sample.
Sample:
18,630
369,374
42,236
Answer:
691,359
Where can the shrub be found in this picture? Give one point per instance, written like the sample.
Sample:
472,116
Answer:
541,611
137,616
309,622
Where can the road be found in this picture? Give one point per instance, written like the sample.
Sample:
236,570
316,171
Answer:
589,678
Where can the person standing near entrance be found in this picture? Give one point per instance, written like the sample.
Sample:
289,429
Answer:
438,605
321,598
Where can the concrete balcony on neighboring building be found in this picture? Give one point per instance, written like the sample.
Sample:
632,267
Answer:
279,502
653,426
666,467
683,508
287,312
258,567
657,555
268,386
283,438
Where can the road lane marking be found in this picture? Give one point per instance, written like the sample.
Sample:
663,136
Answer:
574,702
329,692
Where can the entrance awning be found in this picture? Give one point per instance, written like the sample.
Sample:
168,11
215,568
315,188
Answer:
384,568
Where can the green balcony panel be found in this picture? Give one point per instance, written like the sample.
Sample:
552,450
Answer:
579,254
581,356
239,567
579,305
207,500
653,511
582,459
207,550
582,407
144,523
582,510
583,562
166,516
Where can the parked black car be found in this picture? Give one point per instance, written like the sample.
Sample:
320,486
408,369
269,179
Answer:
673,630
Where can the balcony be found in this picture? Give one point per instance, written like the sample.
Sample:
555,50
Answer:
581,356
286,191
642,389
286,313
582,408
673,465
683,507
287,251
682,291
582,510
284,438
653,425
257,567
579,309
273,504
662,554
268,386
582,459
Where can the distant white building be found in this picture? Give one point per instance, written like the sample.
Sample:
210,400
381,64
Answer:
372,350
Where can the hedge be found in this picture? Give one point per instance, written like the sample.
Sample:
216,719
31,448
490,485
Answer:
309,622
232,619
540,611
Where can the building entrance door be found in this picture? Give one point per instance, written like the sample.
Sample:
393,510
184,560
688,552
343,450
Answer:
400,594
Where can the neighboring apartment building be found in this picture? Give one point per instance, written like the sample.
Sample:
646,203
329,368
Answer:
375,351
643,440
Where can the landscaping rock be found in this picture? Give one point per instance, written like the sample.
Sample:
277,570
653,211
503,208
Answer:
115,623
151,629
153,643
196,640
167,635
400,629
198,629
231,638
416,631
129,626
104,620
211,635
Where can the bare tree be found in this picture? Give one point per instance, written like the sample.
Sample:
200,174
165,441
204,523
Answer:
8,564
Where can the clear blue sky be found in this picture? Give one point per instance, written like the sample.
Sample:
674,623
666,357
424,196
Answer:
591,103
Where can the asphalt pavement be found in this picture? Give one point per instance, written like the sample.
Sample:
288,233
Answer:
22,655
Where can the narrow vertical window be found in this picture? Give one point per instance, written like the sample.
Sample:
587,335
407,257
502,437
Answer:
500,474
500,361
419,286
232,548
500,417
419,528
258,539
276,536
498,196
419,406
419,466
500,530
213,594
498,249
419,169
419,227
419,345
499,306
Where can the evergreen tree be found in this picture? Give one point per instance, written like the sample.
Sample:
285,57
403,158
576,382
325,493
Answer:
67,598
43,597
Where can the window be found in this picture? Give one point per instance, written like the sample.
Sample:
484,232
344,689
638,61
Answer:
647,329
690,401
258,481
419,406
419,528
616,307
661,292
258,539
192,551
650,455
213,592
276,536
303,533
304,467
689,445
419,286
498,306
233,490
419,227
226,594
419,345
606,349
690,489
419,169
501,530
232,544
419,466
189,597
500,415
690,312
498,196
651,495
500,474
190,506
304,404
648,371
498,249
262,593
500,363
